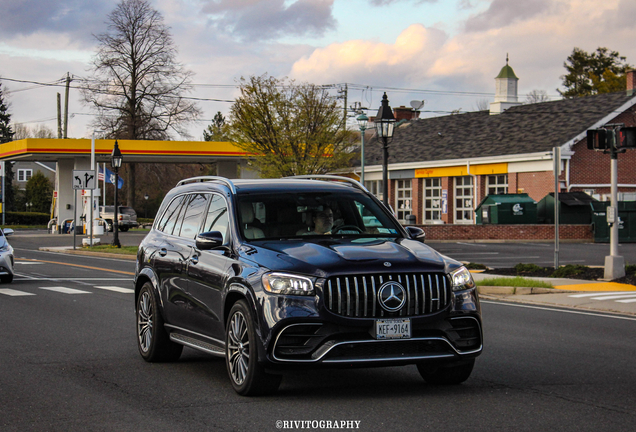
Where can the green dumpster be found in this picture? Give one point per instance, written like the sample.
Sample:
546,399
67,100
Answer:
574,209
507,209
626,226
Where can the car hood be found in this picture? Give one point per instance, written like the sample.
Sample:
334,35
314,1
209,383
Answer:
336,256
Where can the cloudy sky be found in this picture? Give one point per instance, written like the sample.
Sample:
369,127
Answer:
446,52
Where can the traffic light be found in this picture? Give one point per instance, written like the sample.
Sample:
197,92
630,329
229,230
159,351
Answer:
597,139
626,138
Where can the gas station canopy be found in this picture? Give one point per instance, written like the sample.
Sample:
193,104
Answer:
135,151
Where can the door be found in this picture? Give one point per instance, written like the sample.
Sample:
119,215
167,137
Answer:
208,272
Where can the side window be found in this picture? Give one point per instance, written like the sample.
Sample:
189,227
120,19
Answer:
217,218
192,217
169,218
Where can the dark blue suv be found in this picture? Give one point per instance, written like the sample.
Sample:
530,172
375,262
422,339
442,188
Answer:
315,271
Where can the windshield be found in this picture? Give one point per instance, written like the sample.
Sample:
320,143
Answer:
291,215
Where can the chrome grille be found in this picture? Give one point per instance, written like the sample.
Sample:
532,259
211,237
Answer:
357,295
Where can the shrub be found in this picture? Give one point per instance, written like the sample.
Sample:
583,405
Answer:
569,271
527,268
27,218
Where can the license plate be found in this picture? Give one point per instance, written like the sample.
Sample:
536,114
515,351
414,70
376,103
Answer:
393,328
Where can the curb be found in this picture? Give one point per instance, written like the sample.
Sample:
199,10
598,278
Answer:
508,290
88,253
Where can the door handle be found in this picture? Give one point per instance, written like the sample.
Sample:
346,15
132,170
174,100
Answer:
163,252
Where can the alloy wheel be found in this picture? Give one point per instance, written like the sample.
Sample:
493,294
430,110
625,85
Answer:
144,321
238,348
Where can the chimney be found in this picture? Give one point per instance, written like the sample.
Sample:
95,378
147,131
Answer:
630,74
405,113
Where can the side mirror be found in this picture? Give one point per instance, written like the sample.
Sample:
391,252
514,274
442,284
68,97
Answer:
416,233
7,232
209,240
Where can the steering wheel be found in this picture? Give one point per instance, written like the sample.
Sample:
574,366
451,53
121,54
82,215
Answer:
348,228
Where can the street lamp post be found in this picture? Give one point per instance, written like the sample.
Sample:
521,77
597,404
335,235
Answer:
384,124
146,196
362,123
116,159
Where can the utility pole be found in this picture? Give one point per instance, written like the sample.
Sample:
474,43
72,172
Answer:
59,116
556,155
68,85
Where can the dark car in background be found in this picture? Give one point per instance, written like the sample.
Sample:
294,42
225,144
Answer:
242,269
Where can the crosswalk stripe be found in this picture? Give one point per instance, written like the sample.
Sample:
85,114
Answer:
614,297
116,289
595,294
14,293
65,290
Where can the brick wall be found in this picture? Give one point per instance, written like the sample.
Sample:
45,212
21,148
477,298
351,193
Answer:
507,232
535,184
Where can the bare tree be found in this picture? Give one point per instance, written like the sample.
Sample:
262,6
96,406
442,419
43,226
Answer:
40,131
137,86
482,104
537,96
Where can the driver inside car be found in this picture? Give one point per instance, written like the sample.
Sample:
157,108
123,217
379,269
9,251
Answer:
323,222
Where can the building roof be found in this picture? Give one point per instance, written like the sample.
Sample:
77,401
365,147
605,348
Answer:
506,72
519,130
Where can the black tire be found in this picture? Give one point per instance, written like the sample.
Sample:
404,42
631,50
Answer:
248,377
6,279
446,375
109,225
123,229
152,339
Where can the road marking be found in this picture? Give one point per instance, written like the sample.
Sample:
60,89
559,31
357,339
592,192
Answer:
556,309
65,290
595,294
27,263
81,266
54,279
116,289
626,301
14,293
614,297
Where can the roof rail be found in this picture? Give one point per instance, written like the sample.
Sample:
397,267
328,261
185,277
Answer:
223,180
351,181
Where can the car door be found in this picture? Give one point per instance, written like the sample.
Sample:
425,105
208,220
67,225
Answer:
208,272
169,259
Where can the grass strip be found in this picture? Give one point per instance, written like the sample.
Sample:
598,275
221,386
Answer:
517,281
124,250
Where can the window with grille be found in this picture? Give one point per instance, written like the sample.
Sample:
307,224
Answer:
24,175
463,199
497,184
432,200
403,201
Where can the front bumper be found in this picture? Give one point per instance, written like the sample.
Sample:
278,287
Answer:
303,332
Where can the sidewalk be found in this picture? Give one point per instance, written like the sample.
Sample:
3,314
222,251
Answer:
588,295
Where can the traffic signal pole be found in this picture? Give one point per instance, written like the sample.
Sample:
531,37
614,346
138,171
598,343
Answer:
614,264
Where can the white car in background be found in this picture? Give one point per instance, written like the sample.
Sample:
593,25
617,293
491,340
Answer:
6,256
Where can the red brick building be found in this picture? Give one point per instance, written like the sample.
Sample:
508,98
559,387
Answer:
441,168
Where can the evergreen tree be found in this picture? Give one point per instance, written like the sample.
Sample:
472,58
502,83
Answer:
602,71
39,192
6,135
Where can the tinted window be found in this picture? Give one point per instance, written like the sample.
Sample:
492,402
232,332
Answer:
169,218
217,219
296,214
192,215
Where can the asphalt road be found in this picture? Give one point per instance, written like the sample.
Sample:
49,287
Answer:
69,362
508,254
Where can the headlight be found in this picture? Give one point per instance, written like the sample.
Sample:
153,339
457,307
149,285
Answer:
283,283
462,279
